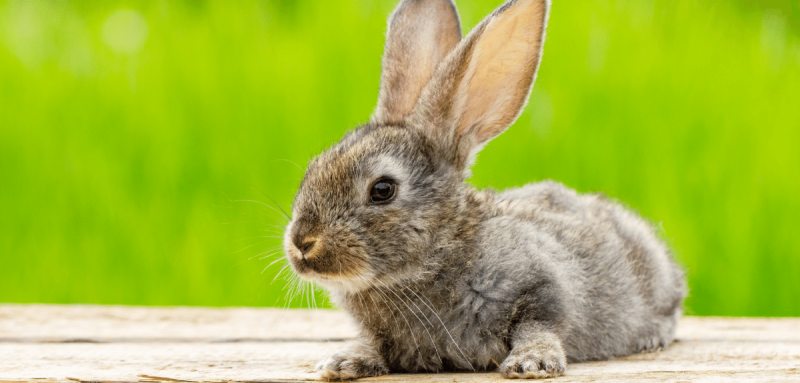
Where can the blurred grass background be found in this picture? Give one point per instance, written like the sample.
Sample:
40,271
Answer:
129,131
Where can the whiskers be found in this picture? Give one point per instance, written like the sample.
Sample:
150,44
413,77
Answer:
443,326
304,291
395,299
280,210
273,219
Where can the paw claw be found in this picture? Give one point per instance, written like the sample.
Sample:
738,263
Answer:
340,367
533,364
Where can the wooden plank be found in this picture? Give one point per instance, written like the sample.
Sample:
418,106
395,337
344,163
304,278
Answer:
183,324
51,344
65,322
294,361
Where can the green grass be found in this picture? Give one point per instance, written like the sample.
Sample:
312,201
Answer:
121,166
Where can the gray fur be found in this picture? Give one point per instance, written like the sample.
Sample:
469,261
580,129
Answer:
446,277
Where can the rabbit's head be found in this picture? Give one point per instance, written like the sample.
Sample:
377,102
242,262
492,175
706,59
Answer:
376,207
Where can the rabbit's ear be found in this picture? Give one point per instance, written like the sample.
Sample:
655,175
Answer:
420,34
482,86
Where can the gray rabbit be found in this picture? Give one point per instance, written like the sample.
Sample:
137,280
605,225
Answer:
442,277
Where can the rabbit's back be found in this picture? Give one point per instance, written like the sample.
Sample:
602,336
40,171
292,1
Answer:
626,290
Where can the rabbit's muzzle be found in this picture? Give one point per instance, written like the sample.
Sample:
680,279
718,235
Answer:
325,255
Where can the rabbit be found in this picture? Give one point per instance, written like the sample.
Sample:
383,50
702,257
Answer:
439,276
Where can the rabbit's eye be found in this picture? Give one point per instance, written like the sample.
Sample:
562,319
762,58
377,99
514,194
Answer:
382,191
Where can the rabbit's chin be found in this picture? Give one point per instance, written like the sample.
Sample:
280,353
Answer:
342,284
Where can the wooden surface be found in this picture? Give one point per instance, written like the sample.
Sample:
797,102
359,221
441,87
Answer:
101,343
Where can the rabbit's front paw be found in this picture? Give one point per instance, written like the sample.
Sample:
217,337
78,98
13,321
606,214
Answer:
535,362
341,367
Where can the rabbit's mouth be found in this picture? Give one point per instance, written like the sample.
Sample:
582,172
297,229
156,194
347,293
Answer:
345,282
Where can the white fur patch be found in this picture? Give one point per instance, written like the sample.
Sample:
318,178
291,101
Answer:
383,165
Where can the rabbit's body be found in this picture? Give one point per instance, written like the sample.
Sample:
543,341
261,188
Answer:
626,292
443,277
594,270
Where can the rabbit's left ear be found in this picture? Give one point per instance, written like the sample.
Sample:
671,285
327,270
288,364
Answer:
482,86
420,34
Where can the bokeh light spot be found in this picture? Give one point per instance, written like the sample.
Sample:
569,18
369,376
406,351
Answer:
125,31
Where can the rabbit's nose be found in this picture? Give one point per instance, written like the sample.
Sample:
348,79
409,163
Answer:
305,246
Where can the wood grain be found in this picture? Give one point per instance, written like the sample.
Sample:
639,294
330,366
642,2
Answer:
45,343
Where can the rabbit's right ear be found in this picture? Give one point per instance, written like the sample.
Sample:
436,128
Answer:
482,85
420,34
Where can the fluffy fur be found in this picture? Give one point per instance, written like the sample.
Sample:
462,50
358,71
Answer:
445,277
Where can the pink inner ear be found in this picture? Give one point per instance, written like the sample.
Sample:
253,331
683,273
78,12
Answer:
501,70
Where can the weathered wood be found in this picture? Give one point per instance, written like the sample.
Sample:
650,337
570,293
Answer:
126,344
60,323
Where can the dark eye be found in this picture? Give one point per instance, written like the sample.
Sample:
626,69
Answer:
382,191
